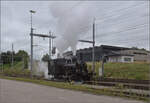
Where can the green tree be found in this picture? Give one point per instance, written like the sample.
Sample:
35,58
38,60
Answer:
45,57
22,55
6,57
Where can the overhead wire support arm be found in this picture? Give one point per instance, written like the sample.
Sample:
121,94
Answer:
86,41
44,35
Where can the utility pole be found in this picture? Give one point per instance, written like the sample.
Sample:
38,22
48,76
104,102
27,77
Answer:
52,45
102,67
37,35
93,53
31,61
12,59
0,53
23,60
93,49
31,34
50,42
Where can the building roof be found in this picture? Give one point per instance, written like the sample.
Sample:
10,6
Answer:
97,48
119,55
106,47
114,47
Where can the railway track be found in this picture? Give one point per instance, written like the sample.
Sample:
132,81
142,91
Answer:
126,83
138,88
125,80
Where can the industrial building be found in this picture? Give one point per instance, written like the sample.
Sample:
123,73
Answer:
113,53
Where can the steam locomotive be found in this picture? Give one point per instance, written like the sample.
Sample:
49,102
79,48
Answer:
69,69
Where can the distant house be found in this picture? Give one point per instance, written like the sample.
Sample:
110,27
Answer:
124,58
139,55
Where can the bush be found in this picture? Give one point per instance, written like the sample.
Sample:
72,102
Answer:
16,72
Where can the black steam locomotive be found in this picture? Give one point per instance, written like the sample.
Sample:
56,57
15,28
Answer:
69,69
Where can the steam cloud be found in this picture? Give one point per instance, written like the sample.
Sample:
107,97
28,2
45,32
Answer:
73,19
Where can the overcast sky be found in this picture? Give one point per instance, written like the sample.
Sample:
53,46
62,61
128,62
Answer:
118,23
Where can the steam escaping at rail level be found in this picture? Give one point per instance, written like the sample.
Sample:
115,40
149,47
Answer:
73,19
40,68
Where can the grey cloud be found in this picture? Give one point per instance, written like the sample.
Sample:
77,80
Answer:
15,23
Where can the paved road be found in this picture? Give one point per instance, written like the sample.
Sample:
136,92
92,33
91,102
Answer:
21,92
